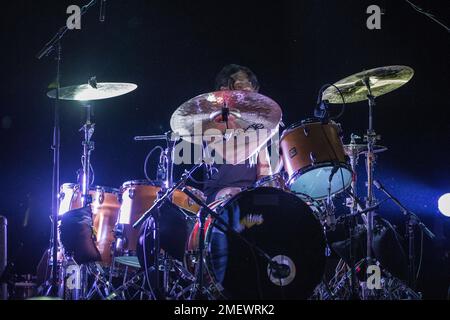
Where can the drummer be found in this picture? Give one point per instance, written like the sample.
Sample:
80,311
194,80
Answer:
226,180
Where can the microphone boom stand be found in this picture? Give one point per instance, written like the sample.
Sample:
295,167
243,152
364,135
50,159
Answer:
52,45
412,221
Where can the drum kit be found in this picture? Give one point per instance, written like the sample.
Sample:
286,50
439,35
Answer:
159,239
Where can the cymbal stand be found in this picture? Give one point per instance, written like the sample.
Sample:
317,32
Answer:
54,45
353,204
370,163
88,146
165,172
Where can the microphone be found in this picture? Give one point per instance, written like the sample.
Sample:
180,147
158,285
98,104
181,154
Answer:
321,109
102,10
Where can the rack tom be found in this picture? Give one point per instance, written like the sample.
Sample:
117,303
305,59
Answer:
105,209
314,158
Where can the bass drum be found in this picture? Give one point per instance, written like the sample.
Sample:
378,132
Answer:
281,225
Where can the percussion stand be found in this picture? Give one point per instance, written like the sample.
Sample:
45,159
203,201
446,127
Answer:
154,212
412,221
352,219
55,45
372,138
164,173
88,146
165,170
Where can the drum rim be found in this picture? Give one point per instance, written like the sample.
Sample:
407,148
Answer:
92,188
309,168
302,123
273,177
150,183
142,182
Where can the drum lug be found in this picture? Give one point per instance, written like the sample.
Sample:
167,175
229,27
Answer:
312,157
293,152
131,193
101,197
340,131
306,131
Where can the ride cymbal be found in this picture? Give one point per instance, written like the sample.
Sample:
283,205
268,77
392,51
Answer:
382,80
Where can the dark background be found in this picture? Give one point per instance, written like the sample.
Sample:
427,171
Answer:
173,50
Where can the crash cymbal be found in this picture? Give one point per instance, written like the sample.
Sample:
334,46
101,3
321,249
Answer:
382,80
95,91
356,149
246,110
201,119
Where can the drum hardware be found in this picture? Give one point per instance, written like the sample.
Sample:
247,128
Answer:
368,85
412,221
154,212
352,221
165,170
88,146
370,159
89,92
54,45
136,282
337,288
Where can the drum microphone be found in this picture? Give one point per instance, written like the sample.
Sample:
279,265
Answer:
321,109
102,10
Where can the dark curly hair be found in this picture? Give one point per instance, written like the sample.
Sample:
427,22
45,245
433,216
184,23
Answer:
224,78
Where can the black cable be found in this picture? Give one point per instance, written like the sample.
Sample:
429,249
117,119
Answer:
320,99
341,173
147,275
147,158
421,255
429,15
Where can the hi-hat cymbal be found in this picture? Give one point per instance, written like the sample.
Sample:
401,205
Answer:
246,110
357,149
382,80
88,92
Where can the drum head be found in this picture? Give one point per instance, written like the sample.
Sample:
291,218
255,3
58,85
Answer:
314,182
282,226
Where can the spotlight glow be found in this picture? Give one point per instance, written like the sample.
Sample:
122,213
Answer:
444,204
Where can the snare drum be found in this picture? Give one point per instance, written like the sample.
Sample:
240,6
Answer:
314,158
105,209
